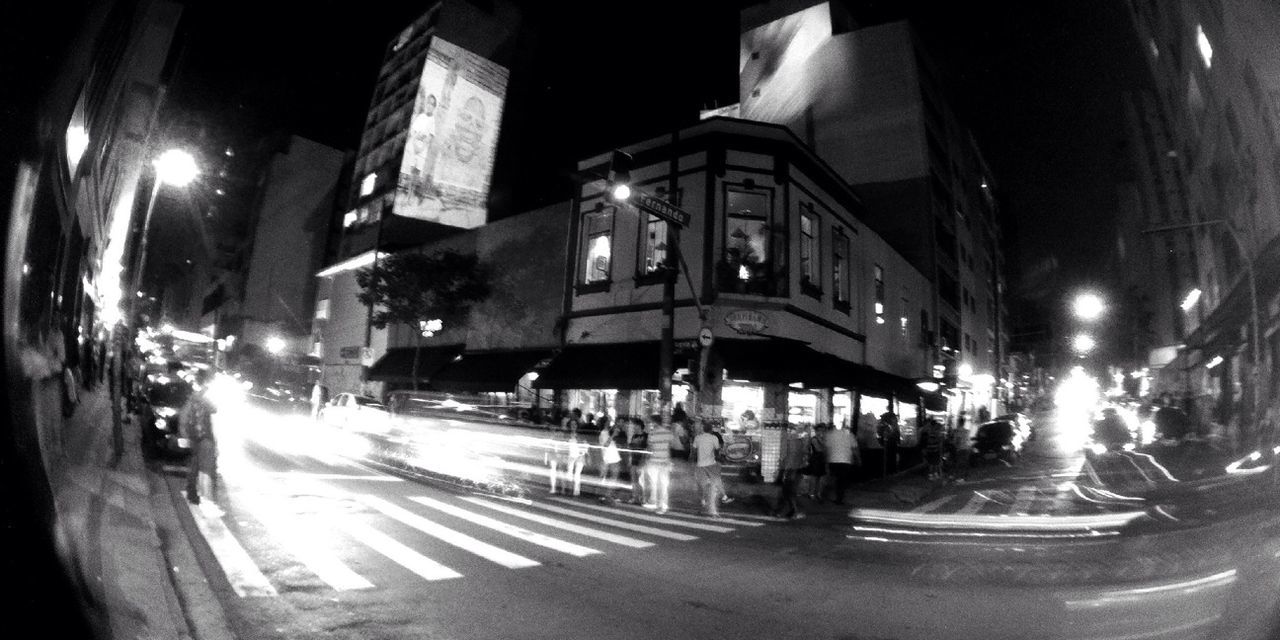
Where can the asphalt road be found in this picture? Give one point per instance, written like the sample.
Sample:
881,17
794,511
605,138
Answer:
304,541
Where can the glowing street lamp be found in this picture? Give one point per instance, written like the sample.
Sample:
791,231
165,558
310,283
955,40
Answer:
173,167
1083,343
1088,306
1193,296
275,345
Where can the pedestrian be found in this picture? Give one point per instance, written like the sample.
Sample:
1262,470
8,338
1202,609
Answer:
554,454
869,445
611,459
890,437
932,439
576,459
196,421
842,459
659,465
984,414
791,460
638,445
724,495
706,448
817,466
961,447
604,431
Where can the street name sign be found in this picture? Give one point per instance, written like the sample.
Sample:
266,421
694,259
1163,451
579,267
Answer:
663,209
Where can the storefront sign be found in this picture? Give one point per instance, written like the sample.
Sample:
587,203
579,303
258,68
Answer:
737,450
747,322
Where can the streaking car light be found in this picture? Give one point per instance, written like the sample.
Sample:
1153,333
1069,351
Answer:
166,412
1098,448
1128,446
1246,464
997,522
1187,587
862,532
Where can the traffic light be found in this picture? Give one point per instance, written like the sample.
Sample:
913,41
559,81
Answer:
620,175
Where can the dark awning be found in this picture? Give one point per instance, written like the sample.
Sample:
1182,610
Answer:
397,364
487,371
622,365
779,360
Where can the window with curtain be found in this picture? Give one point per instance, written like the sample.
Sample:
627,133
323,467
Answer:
597,250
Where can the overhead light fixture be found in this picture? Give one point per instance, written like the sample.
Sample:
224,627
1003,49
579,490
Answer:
1193,296
1217,360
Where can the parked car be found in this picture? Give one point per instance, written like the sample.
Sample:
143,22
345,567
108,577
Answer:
1022,422
998,440
162,399
356,412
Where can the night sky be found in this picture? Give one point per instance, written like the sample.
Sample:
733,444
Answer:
1039,84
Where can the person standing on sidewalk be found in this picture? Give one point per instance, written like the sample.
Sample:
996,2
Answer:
842,457
817,465
706,448
611,459
577,459
932,440
791,460
961,447
890,437
196,420
659,465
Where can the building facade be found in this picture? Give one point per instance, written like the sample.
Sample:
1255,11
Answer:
868,99
1205,140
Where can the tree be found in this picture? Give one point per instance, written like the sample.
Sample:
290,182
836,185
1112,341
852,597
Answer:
420,288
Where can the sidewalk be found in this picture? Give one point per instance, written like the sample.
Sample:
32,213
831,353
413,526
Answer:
118,530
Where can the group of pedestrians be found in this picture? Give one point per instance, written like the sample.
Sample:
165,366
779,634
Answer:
814,463
644,450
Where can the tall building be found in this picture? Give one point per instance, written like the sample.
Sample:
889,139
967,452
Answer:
426,155
867,98
1206,142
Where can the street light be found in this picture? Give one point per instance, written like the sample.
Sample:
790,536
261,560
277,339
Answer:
1193,296
1088,306
275,345
1083,343
174,167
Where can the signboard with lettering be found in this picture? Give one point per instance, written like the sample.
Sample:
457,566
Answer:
663,209
747,322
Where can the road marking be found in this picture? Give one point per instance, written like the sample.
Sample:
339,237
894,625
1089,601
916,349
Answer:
1023,500
723,520
400,554
303,475
976,501
445,534
560,524
509,529
648,517
933,504
621,524
301,544
245,577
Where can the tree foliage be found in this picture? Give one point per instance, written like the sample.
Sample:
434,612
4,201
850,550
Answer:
411,287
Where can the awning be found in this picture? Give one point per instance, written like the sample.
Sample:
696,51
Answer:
622,365
778,360
397,364
487,371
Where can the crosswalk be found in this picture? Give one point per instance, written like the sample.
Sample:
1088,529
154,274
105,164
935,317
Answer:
437,537
1036,499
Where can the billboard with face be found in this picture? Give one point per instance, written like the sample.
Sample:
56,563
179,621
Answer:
453,134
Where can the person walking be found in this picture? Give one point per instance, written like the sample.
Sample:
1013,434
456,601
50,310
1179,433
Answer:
638,447
196,421
961,447
932,439
554,454
791,460
706,448
576,459
611,460
817,466
659,465
842,459
890,437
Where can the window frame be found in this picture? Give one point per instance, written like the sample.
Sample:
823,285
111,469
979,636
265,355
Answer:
810,244
774,281
585,240
840,269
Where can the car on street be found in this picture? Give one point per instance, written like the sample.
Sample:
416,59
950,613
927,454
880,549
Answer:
163,397
355,412
1021,422
998,440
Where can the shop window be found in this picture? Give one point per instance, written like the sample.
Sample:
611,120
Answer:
754,246
840,268
810,241
597,249
879,293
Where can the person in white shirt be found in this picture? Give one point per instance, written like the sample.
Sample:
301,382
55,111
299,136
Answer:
707,472
842,458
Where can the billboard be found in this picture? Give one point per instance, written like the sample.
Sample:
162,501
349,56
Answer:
453,135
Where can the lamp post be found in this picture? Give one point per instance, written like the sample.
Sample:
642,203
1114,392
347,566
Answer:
1255,330
175,167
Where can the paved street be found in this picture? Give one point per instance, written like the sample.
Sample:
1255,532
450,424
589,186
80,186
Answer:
306,543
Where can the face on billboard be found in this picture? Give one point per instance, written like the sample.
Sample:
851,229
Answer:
470,130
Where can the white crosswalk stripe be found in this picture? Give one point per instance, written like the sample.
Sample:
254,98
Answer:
1023,500
976,501
647,517
638,528
560,524
397,552
460,540
243,574
509,529
294,537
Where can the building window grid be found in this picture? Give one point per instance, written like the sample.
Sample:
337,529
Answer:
840,266
597,246
810,241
